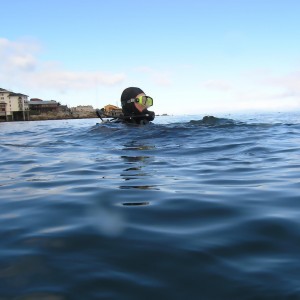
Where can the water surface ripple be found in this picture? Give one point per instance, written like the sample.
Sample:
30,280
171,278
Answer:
185,208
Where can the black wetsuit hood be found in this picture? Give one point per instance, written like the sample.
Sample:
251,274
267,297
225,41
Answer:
129,109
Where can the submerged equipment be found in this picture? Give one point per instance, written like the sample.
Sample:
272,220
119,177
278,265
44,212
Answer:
130,112
141,119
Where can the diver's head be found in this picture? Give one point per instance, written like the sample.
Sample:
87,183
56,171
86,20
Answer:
135,103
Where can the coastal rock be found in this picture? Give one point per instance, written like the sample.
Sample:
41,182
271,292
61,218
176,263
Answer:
62,115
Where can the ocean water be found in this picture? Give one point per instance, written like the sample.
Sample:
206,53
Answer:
185,208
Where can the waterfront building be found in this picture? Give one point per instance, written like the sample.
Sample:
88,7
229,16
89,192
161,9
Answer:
13,106
112,110
83,108
38,106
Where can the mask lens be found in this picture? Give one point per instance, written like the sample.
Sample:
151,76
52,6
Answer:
145,100
148,101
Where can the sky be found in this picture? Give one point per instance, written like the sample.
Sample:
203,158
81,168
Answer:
191,56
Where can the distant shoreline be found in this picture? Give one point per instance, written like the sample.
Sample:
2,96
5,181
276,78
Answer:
62,116
56,116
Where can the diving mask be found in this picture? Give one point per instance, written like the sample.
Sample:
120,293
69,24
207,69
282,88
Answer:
143,100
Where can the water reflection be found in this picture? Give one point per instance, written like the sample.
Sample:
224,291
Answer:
138,147
137,168
135,203
139,187
133,172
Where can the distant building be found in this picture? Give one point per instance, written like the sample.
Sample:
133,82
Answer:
112,110
13,106
63,108
83,108
3,110
35,99
40,106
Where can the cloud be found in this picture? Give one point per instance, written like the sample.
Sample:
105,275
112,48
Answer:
63,80
161,78
290,82
256,90
18,56
217,85
19,47
286,85
20,63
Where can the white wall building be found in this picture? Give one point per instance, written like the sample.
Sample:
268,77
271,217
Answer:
13,106
83,108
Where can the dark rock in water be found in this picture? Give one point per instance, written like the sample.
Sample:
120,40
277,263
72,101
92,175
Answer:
209,120
206,120
213,121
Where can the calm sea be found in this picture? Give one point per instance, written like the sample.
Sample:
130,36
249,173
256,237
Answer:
185,208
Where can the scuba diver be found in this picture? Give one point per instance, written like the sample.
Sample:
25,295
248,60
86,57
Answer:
135,106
